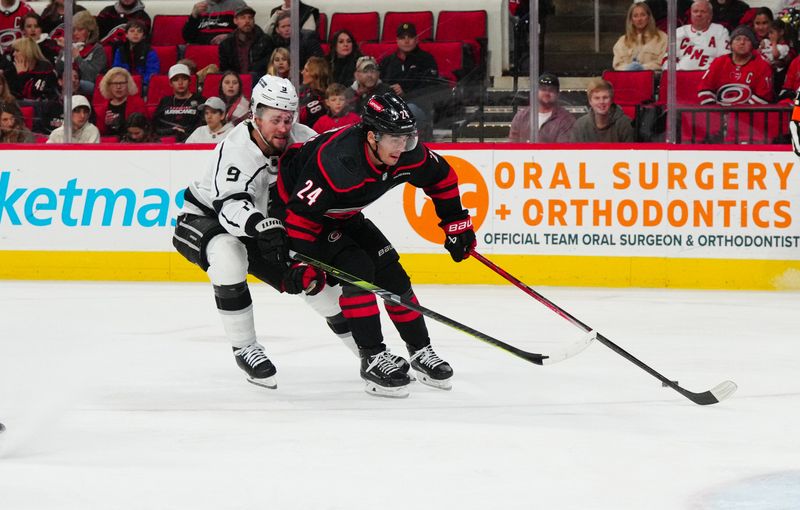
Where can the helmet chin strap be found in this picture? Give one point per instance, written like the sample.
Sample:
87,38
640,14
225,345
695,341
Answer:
274,150
375,152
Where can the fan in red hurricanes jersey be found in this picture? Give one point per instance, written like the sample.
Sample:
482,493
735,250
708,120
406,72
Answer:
11,24
742,77
324,185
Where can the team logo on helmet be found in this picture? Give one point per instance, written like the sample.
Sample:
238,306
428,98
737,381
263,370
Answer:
375,105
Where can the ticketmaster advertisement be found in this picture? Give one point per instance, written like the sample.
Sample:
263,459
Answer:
589,206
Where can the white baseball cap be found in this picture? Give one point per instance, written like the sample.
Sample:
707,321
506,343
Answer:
214,103
178,69
78,101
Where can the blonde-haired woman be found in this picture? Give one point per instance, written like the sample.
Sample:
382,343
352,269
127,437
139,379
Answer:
32,76
643,47
121,101
280,63
316,78
87,54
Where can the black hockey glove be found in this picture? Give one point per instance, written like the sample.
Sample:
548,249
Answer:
273,243
459,238
303,278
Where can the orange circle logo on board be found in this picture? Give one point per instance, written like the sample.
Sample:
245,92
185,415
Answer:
421,214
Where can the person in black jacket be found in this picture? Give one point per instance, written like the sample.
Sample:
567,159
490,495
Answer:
343,57
210,21
246,49
178,115
322,189
309,40
113,18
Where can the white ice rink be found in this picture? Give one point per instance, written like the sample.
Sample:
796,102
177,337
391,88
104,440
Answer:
125,396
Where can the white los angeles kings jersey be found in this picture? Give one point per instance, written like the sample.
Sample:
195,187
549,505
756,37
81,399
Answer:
235,184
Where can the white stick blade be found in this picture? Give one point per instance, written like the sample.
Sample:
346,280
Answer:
724,390
570,350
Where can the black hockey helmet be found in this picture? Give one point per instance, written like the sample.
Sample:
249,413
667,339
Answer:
387,113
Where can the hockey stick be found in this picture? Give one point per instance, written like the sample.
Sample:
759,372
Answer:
532,357
718,393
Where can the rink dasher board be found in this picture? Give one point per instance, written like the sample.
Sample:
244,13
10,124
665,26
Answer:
553,215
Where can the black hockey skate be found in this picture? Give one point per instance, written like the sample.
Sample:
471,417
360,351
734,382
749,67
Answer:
430,368
401,362
260,370
383,377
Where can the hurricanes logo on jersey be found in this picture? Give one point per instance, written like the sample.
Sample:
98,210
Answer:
733,93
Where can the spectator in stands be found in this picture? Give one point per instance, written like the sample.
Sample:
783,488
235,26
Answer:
367,83
122,100
309,40
728,12
791,83
138,130
12,125
32,28
32,76
246,49
86,52
113,20
12,13
555,123
343,57
216,128
702,41
761,22
309,16
211,21
49,114
412,74
83,131
237,106
339,113
279,63
178,115
643,46
738,78
316,78
5,91
136,55
521,29
776,49
605,121
53,17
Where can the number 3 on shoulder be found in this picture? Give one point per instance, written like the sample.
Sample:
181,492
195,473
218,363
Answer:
311,197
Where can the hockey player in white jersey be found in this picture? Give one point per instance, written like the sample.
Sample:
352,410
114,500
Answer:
224,228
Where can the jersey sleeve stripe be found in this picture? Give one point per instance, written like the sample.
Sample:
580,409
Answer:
216,172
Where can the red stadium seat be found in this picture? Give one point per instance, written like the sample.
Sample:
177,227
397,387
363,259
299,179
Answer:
631,87
98,97
109,50
168,29
27,115
167,57
378,50
168,139
449,57
160,87
109,139
326,48
211,84
422,20
686,90
463,26
363,25
202,54
322,27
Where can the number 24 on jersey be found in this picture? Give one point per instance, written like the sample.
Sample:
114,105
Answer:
308,194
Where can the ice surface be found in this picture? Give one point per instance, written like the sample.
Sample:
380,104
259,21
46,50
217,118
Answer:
126,396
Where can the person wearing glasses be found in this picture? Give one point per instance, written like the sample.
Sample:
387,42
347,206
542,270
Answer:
121,101
322,188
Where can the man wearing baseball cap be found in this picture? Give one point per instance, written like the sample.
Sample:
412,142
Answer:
555,123
178,115
740,77
216,128
367,82
83,131
246,49
412,74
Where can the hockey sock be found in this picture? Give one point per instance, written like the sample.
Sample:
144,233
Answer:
360,308
410,324
235,307
341,328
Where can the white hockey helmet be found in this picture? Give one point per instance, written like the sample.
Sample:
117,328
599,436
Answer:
274,92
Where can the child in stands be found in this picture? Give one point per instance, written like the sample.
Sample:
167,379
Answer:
339,114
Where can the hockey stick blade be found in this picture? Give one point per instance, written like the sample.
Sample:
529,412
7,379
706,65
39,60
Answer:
532,357
717,394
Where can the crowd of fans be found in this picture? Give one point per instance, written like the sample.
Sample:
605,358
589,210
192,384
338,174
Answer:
115,65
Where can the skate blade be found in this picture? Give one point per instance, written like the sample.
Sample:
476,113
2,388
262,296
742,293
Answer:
444,384
267,382
382,391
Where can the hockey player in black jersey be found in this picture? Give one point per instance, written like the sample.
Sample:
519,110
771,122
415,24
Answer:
322,187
